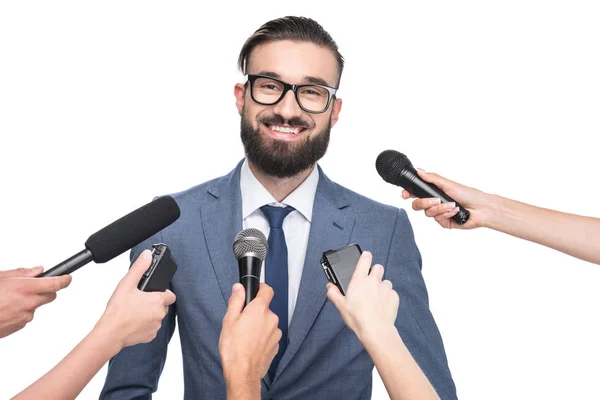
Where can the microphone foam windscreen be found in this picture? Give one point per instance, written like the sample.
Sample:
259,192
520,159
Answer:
250,241
390,163
132,229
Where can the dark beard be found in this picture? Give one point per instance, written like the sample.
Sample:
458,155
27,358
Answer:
279,158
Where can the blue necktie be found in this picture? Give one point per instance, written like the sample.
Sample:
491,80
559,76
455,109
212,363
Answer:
276,274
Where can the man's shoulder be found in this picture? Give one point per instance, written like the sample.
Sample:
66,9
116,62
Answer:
363,205
199,194
195,194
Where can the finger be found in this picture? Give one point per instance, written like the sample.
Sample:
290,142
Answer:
423,204
363,265
336,297
444,219
168,297
377,272
21,272
265,292
439,209
50,284
406,194
139,267
388,283
45,299
236,301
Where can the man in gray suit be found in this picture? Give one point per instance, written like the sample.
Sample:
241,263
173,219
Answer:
288,106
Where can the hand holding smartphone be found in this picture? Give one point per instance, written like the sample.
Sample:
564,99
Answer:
339,265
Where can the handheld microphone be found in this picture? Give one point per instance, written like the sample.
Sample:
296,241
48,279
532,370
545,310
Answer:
250,247
120,236
395,168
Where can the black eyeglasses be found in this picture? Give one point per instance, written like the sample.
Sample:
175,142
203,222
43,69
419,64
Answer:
311,98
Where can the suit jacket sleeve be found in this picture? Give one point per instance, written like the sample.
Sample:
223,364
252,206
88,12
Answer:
134,372
415,322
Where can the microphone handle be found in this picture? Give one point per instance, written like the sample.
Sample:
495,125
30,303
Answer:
410,180
249,268
69,265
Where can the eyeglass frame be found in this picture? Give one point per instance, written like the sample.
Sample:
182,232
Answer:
294,88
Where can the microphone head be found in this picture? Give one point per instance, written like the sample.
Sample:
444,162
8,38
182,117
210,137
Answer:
250,242
132,229
390,164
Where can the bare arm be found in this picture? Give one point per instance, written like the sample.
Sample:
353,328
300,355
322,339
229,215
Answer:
572,234
373,323
21,294
249,341
131,317
575,235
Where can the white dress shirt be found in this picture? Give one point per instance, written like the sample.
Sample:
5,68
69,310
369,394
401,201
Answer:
296,226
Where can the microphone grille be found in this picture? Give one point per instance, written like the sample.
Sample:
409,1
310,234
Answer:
132,229
250,240
390,163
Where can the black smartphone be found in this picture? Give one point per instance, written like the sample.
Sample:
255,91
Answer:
158,276
339,265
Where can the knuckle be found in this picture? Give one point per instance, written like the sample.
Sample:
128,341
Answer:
269,290
28,317
274,319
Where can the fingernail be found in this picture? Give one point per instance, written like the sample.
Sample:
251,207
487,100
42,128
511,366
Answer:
146,254
455,209
236,288
449,205
434,201
421,169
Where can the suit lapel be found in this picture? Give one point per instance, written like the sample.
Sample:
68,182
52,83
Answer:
222,220
330,229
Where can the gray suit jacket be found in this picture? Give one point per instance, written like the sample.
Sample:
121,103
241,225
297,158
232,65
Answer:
324,359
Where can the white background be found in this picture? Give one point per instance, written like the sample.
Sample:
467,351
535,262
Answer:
104,105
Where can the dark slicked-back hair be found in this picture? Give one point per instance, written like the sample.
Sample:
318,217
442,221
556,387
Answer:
290,28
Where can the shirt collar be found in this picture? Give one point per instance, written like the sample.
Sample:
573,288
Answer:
254,194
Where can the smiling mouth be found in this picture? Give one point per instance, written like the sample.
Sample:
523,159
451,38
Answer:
294,130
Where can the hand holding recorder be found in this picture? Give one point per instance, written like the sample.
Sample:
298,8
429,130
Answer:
369,308
131,317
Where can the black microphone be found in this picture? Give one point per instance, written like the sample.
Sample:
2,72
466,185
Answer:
395,168
250,247
120,236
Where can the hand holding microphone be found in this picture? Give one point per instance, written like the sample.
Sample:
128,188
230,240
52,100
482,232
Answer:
21,295
395,168
249,341
478,202
571,234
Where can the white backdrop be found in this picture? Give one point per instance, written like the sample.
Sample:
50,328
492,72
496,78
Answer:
104,105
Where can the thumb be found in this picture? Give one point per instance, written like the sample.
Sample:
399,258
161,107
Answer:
21,272
335,296
236,301
138,268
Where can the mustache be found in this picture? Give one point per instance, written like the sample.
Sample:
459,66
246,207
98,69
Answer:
279,120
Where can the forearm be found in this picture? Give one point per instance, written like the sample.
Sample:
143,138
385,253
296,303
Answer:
572,234
67,379
401,375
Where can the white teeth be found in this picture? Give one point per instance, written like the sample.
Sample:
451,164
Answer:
284,129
